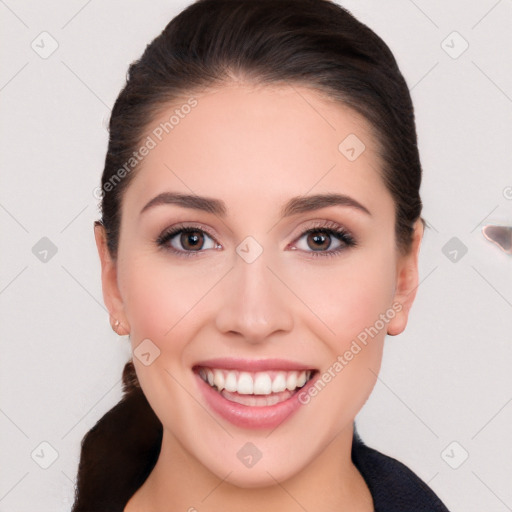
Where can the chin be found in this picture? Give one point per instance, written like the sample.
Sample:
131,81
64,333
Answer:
262,474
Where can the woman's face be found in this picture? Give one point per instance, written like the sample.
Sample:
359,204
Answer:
248,298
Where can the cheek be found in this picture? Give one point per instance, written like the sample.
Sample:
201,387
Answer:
159,295
159,299
349,297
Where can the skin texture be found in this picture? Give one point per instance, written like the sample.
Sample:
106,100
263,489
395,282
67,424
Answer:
254,148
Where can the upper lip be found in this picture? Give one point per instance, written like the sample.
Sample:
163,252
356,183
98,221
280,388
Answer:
252,365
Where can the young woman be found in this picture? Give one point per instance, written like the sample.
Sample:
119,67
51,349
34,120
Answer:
259,238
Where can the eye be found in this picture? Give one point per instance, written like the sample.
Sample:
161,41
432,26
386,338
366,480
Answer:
186,240
318,240
325,239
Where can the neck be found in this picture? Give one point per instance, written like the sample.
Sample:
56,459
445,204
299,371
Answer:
329,482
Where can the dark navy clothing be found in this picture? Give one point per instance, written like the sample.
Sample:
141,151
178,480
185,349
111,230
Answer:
393,486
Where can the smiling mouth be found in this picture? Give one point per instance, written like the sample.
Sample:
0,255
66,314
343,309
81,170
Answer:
255,389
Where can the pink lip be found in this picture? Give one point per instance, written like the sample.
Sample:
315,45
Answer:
265,417
252,365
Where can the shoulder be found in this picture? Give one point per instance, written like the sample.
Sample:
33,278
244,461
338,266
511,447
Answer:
393,486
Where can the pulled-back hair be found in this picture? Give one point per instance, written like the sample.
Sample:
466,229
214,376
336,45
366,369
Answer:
314,43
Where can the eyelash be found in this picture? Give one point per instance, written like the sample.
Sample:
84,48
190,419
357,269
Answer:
328,228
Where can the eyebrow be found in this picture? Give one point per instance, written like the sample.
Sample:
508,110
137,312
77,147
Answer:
294,206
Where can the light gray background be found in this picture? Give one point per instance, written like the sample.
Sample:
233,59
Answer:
446,379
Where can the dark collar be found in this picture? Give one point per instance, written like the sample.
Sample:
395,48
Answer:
393,486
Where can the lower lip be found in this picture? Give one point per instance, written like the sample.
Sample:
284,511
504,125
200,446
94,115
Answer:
263,417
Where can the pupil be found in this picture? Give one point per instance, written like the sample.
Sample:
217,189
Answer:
191,239
318,239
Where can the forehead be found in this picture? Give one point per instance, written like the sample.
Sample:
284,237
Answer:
257,143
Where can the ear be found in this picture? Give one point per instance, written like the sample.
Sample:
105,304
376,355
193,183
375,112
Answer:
111,295
407,282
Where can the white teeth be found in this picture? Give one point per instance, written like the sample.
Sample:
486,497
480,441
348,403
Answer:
230,383
218,379
245,384
262,384
259,383
301,379
291,381
279,382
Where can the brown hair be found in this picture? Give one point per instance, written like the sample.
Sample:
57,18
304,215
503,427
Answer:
315,43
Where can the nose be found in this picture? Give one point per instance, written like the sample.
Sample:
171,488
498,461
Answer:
255,303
